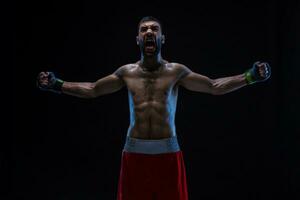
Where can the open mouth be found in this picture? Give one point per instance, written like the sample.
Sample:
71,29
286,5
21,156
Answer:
150,45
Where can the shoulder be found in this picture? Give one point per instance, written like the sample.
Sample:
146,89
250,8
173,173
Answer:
180,69
123,70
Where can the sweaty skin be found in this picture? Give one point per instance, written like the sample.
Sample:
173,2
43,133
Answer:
152,100
152,85
153,94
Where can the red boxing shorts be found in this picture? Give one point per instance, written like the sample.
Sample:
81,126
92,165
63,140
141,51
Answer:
149,176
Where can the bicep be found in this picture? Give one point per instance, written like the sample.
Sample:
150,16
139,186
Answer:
108,84
196,82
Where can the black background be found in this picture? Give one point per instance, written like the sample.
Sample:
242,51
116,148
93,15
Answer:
242,145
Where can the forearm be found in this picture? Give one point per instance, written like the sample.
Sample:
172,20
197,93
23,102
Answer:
199,83
79,89
228,84
48,82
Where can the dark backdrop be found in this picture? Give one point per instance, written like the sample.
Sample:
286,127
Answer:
242,145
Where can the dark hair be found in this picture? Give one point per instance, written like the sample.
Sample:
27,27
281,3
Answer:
149,18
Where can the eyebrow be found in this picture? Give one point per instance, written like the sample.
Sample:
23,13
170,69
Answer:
152,25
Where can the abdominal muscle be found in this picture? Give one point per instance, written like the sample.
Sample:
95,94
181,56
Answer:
151,120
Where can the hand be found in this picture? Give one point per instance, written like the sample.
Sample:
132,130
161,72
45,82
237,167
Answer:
260,71
48,82
45,80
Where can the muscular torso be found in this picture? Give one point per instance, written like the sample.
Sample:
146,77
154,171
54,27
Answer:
152,100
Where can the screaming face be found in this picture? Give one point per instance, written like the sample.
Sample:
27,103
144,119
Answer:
150,38
149,44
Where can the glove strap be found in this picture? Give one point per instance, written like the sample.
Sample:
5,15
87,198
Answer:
249,77
58,85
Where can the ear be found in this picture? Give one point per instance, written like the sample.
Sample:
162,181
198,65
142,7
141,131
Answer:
163,39
137,40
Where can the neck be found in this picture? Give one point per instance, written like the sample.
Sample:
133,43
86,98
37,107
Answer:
151,62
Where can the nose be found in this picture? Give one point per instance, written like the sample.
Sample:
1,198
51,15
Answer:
149,31
149,34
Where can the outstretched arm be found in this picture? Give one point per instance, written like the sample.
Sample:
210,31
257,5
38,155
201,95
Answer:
196,82
105,85
200,83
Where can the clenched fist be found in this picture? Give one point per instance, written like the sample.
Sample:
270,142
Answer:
48,82
260,71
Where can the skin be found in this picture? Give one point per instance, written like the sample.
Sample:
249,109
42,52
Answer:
152,85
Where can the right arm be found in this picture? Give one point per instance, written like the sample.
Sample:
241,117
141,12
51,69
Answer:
105,85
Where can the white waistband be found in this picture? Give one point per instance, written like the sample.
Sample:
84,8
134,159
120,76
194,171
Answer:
166,145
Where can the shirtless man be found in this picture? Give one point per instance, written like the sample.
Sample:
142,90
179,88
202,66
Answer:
152,163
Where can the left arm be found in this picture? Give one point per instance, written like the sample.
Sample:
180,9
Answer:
199,83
